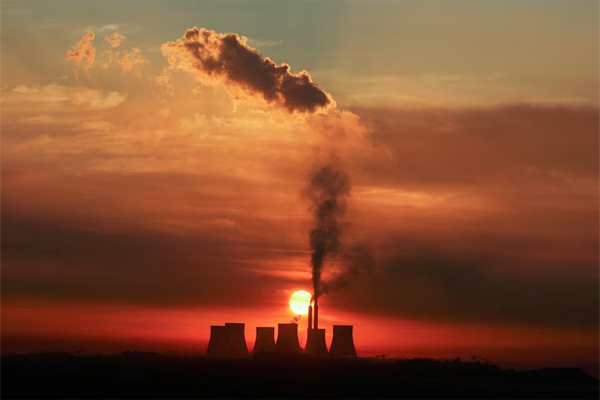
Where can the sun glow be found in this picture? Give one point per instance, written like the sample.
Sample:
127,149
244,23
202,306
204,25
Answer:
300,301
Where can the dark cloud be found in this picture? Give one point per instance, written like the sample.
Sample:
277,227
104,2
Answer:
409,280
510,146
229,58
357,260
61,262
105,249
428,283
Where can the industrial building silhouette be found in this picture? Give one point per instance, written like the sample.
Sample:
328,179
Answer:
236,340
287,339
218,346
342,344
229,341
265,340
315,343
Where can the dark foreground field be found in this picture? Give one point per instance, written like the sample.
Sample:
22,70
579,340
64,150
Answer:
146,375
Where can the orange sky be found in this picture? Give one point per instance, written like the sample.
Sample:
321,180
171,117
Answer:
147,195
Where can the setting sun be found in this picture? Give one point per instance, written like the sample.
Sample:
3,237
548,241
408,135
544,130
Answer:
300,301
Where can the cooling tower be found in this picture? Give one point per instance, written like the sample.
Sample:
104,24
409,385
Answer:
236,340
287,339
315,343
217,345
342,344
265,340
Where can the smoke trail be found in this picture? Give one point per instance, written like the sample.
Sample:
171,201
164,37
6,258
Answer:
227,58
328,191
356,260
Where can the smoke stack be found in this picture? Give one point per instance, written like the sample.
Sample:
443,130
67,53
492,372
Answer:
310,317
265,340
342,344
315,343
287,339
236,340
218,343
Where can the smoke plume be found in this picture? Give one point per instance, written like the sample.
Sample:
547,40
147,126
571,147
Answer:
83,49
356,260
228,59
328,192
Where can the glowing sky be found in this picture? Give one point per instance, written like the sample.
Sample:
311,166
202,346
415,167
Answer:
146,197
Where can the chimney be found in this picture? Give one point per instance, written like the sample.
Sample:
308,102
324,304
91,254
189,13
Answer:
310,317
217,345
315,343
287,339
236,340
342,344
316,311
265,340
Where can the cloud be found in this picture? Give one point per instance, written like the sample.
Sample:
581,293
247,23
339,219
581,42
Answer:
49,23
467,215
226,58
79,97
200,259
494,145
127,60
83,53
430,283
263,43
107,28
114,39
132,59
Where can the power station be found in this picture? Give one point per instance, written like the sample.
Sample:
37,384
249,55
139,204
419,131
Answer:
229,341
265,340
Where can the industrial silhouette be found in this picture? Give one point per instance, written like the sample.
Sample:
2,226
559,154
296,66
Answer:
287,339
236,340
315,342
265,340
229,341
342,344
227,372
218,344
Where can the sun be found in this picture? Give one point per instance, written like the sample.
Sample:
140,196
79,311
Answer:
300,301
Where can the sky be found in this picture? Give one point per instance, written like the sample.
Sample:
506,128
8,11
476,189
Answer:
159,164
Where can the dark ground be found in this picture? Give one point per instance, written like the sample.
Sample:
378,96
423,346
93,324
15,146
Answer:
150,375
